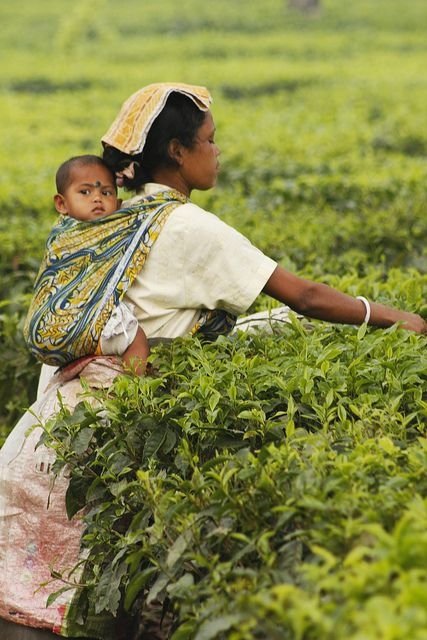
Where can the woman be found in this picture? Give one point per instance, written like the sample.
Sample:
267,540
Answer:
201,273
198,275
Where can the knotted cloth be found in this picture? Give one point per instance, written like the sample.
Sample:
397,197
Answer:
129,130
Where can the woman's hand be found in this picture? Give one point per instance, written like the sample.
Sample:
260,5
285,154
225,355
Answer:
412,322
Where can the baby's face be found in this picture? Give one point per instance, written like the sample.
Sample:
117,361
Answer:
91,194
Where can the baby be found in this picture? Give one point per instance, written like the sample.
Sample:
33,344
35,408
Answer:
87,193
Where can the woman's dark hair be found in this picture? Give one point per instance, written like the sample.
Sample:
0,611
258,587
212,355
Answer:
180,118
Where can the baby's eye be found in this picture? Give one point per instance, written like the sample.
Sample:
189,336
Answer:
85,192
107,192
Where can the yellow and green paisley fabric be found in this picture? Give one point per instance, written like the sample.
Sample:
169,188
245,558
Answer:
85,272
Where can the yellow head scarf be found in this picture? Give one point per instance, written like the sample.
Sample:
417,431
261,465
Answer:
129,130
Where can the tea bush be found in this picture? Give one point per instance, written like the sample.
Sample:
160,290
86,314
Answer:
264,486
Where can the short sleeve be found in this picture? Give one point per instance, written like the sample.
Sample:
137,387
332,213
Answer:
223,269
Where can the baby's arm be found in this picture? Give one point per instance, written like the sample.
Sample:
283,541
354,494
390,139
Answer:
135,356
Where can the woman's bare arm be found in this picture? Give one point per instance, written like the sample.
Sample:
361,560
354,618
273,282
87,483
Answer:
317,300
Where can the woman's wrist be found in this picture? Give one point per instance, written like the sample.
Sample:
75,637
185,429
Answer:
367,306
384,316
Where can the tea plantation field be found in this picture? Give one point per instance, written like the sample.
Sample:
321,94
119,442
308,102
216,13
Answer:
265,486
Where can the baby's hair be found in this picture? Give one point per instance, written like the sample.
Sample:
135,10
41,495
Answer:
63,175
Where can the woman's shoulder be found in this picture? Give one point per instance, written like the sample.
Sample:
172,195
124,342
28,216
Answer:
188,214
194,219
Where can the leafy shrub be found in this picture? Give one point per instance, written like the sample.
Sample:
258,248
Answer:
261,485
18,369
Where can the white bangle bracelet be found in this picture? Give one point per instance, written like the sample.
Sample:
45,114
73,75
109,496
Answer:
367,307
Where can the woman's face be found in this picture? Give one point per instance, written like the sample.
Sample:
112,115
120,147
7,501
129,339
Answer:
199,165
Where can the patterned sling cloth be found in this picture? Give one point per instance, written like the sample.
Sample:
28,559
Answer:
213,323
86,270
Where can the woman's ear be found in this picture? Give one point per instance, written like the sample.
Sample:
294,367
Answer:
175,149
59,202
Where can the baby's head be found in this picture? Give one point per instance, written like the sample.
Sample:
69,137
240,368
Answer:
86,188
